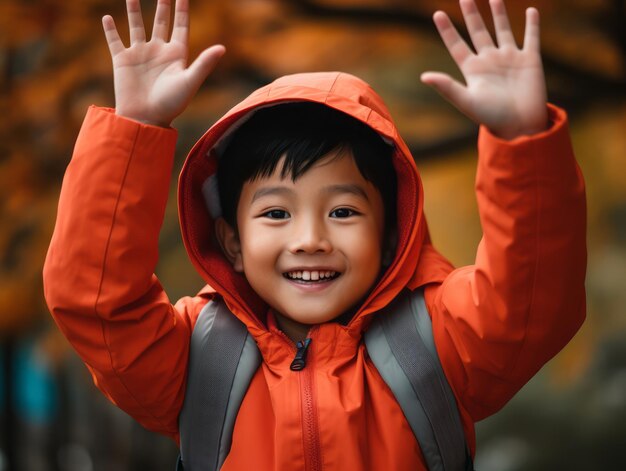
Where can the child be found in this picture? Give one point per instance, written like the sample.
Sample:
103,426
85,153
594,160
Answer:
318,225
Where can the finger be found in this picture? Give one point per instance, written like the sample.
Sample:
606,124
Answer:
457,47
135,22
475,26
504,35
203,65
112,36
452,90
161,27
531,35
180,31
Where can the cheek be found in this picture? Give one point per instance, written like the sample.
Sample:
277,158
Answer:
363,247
370,260
259,246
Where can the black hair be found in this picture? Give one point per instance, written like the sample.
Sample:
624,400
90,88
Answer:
303,133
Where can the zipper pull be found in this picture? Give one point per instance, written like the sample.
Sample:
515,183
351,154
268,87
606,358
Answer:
299,362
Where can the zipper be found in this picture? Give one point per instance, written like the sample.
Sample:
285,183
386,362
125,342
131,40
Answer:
310,421
299,361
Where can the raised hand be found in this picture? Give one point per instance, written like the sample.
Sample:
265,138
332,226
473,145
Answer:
505,87
151,79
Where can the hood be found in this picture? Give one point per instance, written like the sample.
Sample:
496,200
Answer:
416,262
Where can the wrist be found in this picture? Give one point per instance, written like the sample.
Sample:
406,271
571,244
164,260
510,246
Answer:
142,120
537,125
510,134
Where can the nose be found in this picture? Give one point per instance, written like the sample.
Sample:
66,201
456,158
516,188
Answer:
310,236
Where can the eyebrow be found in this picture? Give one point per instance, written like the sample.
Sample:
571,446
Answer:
271,190
331,189
347,188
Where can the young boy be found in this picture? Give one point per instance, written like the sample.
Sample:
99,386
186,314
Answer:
302,209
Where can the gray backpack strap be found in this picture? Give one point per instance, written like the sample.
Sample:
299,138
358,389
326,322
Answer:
223,358
400,344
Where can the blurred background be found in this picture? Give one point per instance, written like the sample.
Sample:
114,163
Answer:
54,63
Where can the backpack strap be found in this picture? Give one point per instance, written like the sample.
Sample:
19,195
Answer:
400,344
223,358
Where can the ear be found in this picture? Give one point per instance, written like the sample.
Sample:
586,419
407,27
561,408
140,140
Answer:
229,243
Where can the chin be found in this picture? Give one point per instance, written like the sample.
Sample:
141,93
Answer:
314,319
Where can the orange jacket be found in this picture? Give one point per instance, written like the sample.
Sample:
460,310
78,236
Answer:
495,322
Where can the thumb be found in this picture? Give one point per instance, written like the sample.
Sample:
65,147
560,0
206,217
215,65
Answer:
452,90
206,61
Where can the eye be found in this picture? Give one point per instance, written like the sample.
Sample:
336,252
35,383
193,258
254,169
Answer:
276,214
342,213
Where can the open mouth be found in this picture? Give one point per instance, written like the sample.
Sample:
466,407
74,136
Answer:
311,276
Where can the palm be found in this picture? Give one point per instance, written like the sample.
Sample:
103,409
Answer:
151,78
505,87
509,78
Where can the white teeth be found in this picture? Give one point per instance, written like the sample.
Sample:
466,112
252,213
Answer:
314,275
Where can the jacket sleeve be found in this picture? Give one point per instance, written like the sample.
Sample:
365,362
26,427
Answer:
98,275
497,322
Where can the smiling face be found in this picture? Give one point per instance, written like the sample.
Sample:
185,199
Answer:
310,248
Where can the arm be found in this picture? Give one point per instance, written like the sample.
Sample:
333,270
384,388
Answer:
498,321
98,274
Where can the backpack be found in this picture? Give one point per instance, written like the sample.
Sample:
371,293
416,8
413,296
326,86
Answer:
224,357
